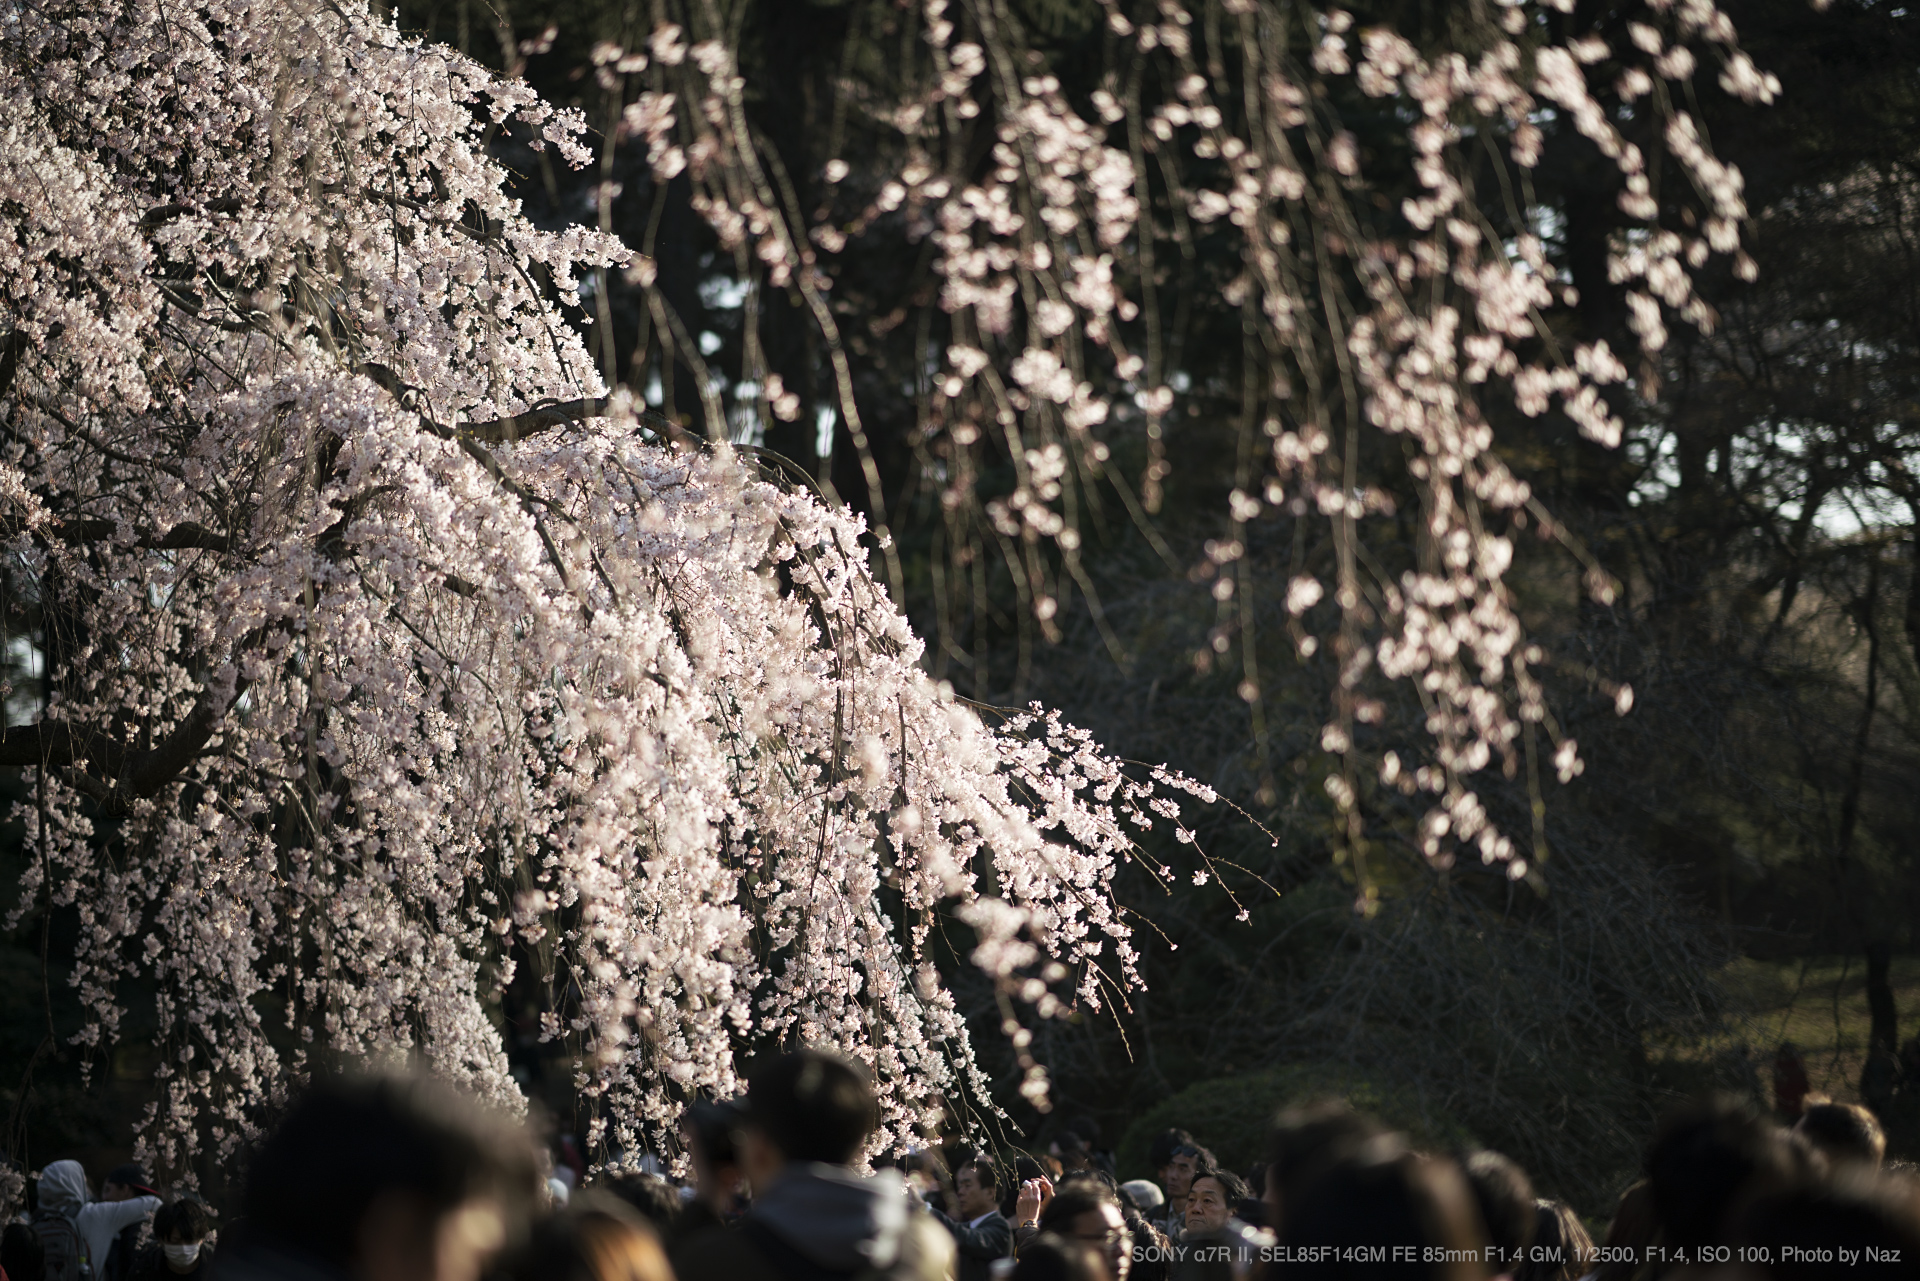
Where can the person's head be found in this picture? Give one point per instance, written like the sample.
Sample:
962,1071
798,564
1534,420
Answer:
1418,1208
1211,1199
1055,1258
126,1182
596,1239
807,1105
1164,1145
1631,1230
1071,1151
1504,1196
1706,1157
1087,1210
1145,1195
390,1177
649,1196
1802,1230
181,1227
21,1254
1843,1132
976,1186
1561,1248
707,1130
1187,1159
1307,1141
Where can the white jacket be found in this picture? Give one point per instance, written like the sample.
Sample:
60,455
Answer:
63,1189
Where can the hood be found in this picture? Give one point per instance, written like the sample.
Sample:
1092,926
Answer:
63,1188
835,1217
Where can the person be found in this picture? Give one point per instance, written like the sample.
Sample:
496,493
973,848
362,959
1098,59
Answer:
1413,1213
1160,1157
981,1233
647,1195
1790,1084
1632,1229
1187,1160
1843,1133
599,1237
1213,1246
1085,1208
1056,1258
1145,1196
1705,1159
1072,1153
179,1249
1211,1200
124,1183
1089,1131
1854,1224
381,1178
807,1117
1504,1196
21,1254
1307,1140
706,1133
1561,1249
74,1231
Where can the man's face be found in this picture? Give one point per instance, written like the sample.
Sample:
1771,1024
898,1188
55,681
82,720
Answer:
1206,1205
973,1199
1105,1229
1179,1175
116,1192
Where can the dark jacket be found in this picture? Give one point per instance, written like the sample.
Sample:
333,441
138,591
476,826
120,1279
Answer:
150,1264
816,1223
980,1245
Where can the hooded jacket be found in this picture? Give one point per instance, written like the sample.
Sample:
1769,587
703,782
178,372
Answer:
820,1223
63,1191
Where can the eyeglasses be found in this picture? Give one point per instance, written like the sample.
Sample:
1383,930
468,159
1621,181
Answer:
1109,1238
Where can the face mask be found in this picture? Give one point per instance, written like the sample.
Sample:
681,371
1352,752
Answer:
181,1255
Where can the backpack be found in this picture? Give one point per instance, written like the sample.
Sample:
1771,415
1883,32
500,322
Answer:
66,1249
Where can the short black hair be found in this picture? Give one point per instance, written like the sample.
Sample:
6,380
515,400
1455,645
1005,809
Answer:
1232,1186
347,1141
1708,1156
1504,1196
1845,1131
1056,1258
648,1195
813,1105
986,1170
1165,1144
711,1126
185,1218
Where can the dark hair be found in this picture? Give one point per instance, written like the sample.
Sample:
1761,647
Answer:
1232,1187
21,1254
1056,1258
347,1141
185,1218
711,1126
1504,1195
1706,1157
986,1170
1855,1210
1087,1128
1631,1230
1072,1145
1561,1248
1310,1139
1403,1200
1165,1144
1202,1158
1843,1131
1073,1198
647,1195
813,1105
594,1240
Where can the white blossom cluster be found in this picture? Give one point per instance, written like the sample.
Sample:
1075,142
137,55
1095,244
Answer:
389,656
1362,314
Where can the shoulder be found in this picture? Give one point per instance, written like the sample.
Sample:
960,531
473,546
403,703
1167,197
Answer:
717,1253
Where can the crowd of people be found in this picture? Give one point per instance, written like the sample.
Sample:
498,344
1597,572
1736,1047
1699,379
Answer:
390,1179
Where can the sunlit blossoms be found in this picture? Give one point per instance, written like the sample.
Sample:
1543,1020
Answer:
1393,288
393,667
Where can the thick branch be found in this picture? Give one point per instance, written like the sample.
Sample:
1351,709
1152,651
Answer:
186,535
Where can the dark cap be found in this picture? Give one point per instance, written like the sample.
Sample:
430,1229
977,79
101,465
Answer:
131,1175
